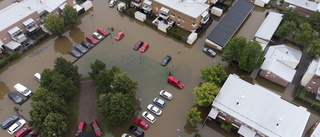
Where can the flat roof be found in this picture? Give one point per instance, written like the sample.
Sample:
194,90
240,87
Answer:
310,5
261,109
269,26
230,23
192,8
20,10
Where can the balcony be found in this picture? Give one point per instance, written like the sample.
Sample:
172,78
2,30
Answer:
30,25
205,16
164,13
17,35
162,24
147,6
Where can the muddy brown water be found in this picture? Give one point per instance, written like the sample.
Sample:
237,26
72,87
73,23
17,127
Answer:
142,67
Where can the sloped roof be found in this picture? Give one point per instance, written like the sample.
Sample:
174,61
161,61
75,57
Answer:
261,109
230,23
269,26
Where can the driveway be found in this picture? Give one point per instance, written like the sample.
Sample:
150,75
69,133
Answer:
87,101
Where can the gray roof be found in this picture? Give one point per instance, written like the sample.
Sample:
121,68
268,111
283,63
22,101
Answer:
223,32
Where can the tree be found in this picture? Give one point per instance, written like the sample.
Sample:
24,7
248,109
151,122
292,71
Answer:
306,35
291,14
54,125
285,29
96,67
116,108
215,74
67,69
194,116
124,84
232,51
315,48
69,15
105,79
251,57
205,94
314,20
54,24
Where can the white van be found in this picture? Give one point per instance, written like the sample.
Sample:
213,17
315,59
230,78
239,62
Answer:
22,89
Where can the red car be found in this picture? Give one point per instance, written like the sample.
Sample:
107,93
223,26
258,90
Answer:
144,47
103,32
91,39
119,36
96,128
23,131
138,45
141,123
175,82
81,127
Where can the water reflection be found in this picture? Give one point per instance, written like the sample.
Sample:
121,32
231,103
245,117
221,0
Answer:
62,45
76,35
4,90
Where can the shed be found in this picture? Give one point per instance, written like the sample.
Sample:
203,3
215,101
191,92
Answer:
140,16
192,37
13,46
87,5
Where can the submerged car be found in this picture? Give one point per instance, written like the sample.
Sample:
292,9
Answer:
9,121
175,82
80,48
75,53
166,60
103,32
86,44
138,45
112,3
141,123
159,102
91,39
166,95
210,52
97,35
16,126
154,109
136,131
23,131
37,77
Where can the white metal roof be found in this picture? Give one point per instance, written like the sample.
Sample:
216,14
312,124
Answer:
310,5
19,10
147,2
246,132
261,109
193,8
28,21
316,131
269,26
282,60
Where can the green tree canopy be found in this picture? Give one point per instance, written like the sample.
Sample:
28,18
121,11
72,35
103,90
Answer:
291,14
194,116
54,125
105,79
116,108
314,20
315,48
205,94
285,29
67,69
124,84
70,15
96,67
232,52
54,24
306,35
215,74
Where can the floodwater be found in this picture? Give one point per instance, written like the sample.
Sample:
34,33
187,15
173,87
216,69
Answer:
142,67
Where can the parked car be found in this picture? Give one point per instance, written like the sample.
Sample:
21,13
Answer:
86,44
125,135
112,3
141,123
9,121
91,39
37,77
15,98
23,90
136,131
32,134
96,128
16,126
154,109
138,45
80,49
175,82
210,52
103,32
119,36
97,35
144,47
159,102
166,60
165,94
81,127
75,53
149,117
23,131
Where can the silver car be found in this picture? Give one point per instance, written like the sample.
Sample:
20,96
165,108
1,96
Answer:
146,115
154,109
166,94
210,52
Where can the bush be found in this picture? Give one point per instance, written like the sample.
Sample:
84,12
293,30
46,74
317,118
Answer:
197,135
226,126
11,57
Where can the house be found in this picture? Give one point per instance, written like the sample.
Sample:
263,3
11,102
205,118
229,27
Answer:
186,14
229,24
311,78
268,28
280,63
255,111
305,7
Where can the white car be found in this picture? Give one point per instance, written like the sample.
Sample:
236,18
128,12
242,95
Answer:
22,90
154,109
146,115
37,76
166,94
97,35
112,3
16,126
125,135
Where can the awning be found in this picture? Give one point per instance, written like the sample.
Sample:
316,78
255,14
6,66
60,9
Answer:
21,38
246,132
204,14
77,7
147,2
28,21
213,113
14,30
164,10
12,45
87,5
62,6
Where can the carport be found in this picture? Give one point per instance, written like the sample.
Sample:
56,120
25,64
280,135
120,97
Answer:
13,46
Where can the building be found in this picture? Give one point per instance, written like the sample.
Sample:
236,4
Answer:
257,112
260,3
311,78
268,28
186,14
305,7
229,24
280,63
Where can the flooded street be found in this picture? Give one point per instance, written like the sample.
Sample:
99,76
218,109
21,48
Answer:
142,67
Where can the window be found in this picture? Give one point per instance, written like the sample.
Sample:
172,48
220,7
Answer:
156,8
314,82
178,18
172,15
182,20
309,87
182,26
194,24
178,23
